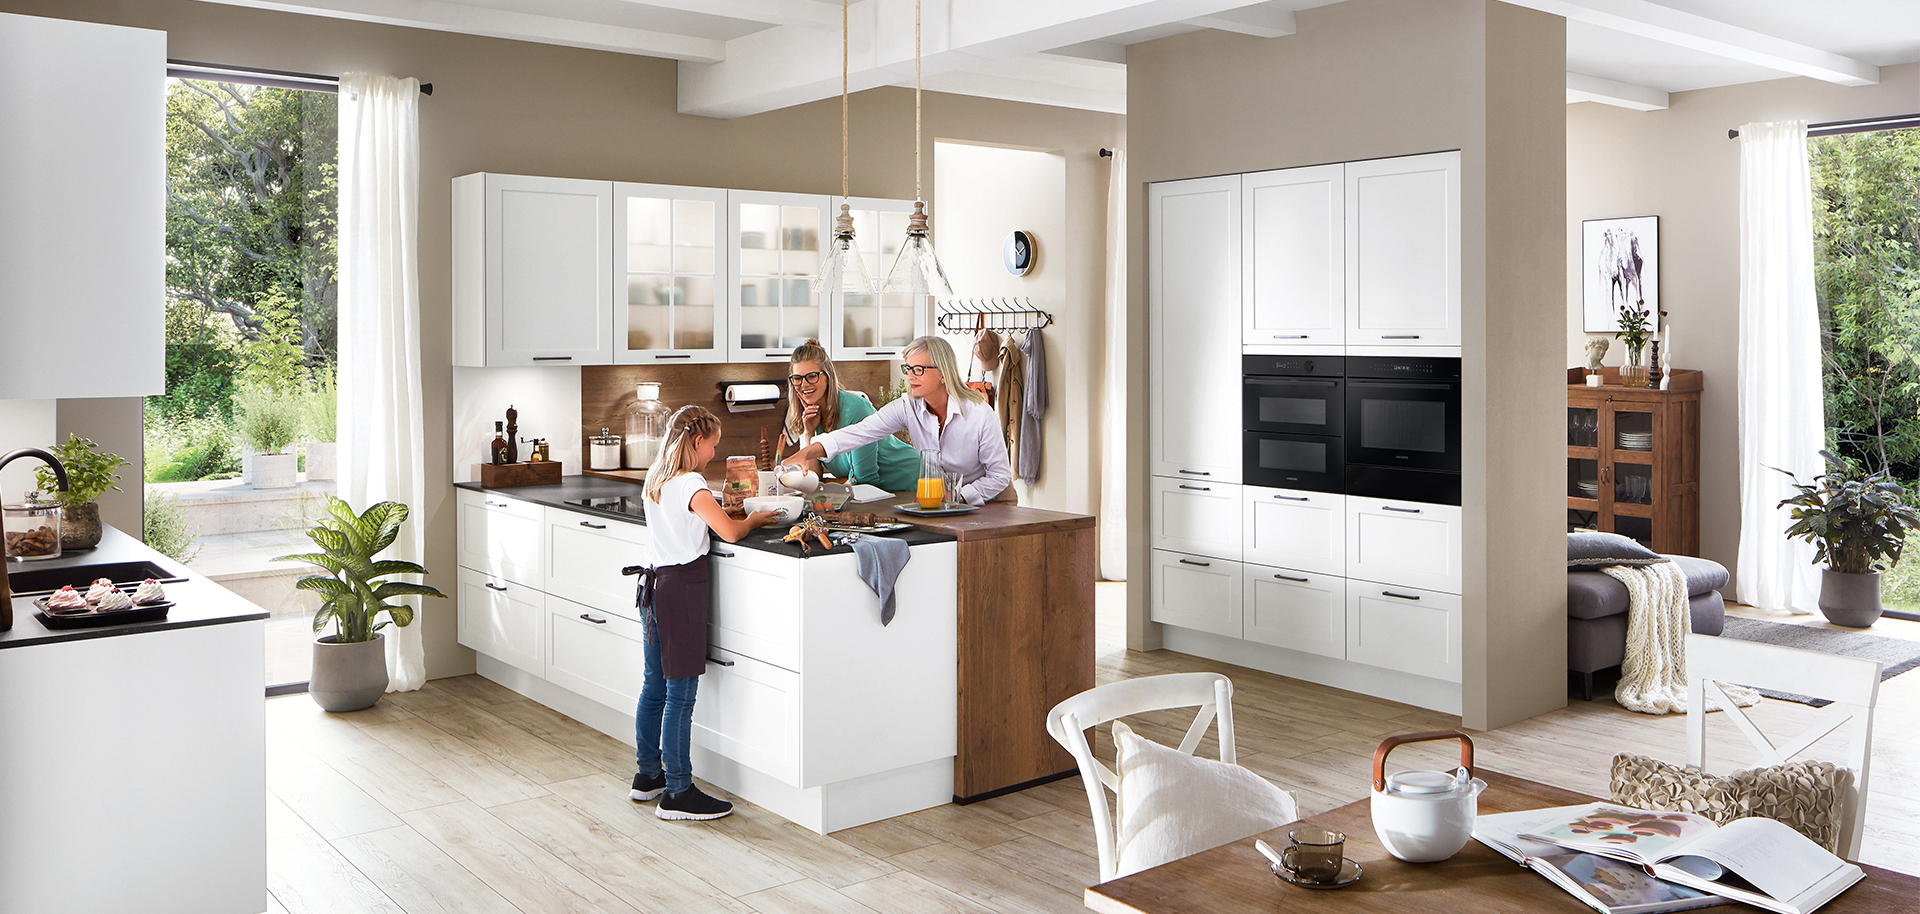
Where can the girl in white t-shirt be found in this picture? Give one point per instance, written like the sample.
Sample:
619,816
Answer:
674,592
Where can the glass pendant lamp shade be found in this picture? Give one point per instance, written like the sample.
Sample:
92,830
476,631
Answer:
843,269
917,270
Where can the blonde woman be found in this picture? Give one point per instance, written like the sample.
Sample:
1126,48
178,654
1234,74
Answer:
940,411
816,404
674,594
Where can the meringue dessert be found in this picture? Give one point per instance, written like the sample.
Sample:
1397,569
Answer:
114,600
101,587
149,592
66,599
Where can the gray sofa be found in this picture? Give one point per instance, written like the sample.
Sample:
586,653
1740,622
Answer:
1597,614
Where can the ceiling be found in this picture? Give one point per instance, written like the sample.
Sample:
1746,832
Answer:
740,57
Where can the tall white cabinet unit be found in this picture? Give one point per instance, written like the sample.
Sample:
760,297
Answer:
1193,316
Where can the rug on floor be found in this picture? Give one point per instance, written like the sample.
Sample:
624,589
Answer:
1897,655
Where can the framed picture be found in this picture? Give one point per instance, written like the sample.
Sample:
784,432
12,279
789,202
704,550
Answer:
1620,268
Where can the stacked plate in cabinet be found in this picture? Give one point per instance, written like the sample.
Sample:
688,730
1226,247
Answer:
1589,488
1634,441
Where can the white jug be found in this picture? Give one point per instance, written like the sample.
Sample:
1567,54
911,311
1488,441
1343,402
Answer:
1424,816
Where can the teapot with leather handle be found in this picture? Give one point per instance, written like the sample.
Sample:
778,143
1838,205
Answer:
1424,816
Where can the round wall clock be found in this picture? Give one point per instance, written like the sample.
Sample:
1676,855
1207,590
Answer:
1019,253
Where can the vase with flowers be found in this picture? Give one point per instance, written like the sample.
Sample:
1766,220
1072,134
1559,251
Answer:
1634,330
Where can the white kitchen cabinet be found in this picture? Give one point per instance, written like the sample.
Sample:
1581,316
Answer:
1202,518
1405,629
1294,609
1293,260
599,654
1404,542
584,555
1195,592
1403,251
778,239
749,711
1292,528
757,618
863,327
501,537
532,271
503,620
670,253
1193,328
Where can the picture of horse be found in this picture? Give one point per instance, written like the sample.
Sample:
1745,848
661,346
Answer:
1620,268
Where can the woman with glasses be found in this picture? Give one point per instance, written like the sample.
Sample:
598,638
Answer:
816,404
939,411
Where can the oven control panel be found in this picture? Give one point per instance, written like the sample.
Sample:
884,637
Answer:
1293,366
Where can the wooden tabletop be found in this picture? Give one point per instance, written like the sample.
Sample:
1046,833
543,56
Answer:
1234,878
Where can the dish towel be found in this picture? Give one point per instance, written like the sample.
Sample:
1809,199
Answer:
1033,404
880,562
1653,677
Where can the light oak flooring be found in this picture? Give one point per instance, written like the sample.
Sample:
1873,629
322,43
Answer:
466,797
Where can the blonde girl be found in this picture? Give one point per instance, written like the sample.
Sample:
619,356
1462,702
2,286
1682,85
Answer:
815,404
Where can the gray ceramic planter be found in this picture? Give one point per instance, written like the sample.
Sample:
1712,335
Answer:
348,677
1850,599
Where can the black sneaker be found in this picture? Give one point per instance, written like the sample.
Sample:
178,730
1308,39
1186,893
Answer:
648,786
692,804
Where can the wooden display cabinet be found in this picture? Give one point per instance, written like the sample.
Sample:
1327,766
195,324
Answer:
1633,459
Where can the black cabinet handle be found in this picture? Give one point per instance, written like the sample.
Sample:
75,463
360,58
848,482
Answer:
497,504
1201,564
1196,472
722,555
673,355
882,352
1295,336
1295,580
1398,596
775,355
593,620
493,586
1293,498
553,358
1199,488
1401,510
718,662
1400,336
590,525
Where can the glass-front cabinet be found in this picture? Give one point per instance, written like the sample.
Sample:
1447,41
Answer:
670,254
1633,460
777,239
877,326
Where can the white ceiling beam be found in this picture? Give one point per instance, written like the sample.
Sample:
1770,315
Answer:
806,15
1107,51
1663,23
1260,21
1041,79
781,67
1582,88
475,20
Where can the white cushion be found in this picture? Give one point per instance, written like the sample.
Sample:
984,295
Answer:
1171,804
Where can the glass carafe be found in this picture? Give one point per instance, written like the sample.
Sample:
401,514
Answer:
931,491
646,428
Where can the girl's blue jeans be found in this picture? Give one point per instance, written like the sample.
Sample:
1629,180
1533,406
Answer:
663,724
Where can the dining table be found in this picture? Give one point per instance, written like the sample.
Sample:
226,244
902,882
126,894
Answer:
1234,878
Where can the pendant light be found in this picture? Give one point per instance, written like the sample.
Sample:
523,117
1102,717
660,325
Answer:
917,270
843,269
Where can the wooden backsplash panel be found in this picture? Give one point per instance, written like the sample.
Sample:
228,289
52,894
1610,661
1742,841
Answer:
607,392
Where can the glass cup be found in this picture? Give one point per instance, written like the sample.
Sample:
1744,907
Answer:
951,483
1314,854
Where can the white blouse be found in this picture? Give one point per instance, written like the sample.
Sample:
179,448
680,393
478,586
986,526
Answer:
972,444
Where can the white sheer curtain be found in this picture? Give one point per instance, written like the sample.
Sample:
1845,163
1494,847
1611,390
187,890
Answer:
382,441
1113,422
1782,418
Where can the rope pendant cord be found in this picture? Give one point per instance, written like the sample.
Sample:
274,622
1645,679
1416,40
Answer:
916,101
843,100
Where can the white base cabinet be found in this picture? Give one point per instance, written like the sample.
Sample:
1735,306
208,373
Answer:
1294,529
1201,518
502,619
1404,542
1195,592
1296,610
1405,629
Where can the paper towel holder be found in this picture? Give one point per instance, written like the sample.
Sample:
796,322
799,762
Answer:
740,399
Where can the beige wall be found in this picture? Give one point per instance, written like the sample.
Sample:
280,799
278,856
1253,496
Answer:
1371,78
513,107
1679,165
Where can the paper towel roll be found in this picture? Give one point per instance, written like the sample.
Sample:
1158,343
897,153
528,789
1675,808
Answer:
743,397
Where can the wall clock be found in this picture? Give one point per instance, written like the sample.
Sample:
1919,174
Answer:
1019,253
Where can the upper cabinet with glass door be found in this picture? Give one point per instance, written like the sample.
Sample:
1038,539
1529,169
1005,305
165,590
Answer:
877,326
777,241
670,265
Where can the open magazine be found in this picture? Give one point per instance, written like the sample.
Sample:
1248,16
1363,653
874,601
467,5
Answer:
1607,885
1758,861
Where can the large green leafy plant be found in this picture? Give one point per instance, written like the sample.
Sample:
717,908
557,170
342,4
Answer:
90,472
352,593
1856,521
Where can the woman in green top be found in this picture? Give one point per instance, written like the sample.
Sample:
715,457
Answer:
815,404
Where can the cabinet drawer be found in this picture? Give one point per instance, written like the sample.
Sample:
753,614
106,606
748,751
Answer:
1404,628
1202,518
500,536
756,604
597,654
584,555
1196,592
1408,543
1294,529
750,712
502,620
1297,610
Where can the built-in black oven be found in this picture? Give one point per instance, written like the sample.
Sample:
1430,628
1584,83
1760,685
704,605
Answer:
1293,409
1403,428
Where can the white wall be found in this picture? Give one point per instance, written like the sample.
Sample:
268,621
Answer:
547,400
24,423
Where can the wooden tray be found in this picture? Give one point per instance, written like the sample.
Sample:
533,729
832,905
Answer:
503,475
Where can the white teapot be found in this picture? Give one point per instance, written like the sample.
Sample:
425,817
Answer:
1424,816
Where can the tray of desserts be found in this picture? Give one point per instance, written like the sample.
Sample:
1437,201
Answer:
103,603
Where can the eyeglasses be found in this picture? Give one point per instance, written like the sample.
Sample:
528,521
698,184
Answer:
810,378
916,370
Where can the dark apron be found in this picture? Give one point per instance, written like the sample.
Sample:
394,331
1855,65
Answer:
673,604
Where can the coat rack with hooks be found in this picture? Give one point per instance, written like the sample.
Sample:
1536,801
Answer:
960,315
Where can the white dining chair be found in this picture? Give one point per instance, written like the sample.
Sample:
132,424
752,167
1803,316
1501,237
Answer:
1853,685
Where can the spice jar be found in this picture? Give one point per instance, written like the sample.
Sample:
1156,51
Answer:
603,451
31,531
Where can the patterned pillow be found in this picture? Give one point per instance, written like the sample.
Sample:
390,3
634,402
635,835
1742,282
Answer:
1589,549
1805,795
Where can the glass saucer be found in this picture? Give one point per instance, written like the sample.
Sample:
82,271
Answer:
1349,874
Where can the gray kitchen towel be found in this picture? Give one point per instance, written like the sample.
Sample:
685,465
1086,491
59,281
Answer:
880,562
1035,404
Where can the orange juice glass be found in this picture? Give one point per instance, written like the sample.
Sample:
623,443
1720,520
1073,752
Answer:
931,493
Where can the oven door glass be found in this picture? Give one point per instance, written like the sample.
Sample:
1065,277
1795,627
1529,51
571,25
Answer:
1409,424
1299,406
1311,462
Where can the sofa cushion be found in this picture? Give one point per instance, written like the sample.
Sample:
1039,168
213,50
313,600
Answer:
1594,595
1702,574
1590,549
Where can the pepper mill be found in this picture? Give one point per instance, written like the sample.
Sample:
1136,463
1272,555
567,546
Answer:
513,434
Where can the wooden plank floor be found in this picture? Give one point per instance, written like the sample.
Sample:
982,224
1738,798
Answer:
466,797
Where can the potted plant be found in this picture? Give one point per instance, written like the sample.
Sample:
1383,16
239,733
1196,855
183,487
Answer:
1857,523
350,665
323,430
269,422
1633,332
90,474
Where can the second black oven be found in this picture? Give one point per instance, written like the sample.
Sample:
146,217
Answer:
1403,428
1293,411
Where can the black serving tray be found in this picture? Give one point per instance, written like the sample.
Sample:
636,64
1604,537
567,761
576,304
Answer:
36,581
152,612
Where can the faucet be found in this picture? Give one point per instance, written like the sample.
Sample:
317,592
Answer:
60,476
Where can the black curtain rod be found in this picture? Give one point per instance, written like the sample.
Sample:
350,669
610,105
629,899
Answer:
1857,125
284,79
1106,153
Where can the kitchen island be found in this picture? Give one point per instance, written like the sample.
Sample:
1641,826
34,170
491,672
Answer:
135,753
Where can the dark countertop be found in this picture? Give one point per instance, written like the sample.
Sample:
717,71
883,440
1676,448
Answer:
197,601
765,539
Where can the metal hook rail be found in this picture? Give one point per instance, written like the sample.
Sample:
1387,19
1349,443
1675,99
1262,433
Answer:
959,315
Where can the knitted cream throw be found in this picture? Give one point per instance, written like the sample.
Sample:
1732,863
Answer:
1653,677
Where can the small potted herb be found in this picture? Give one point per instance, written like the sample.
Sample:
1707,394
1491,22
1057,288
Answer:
91,473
